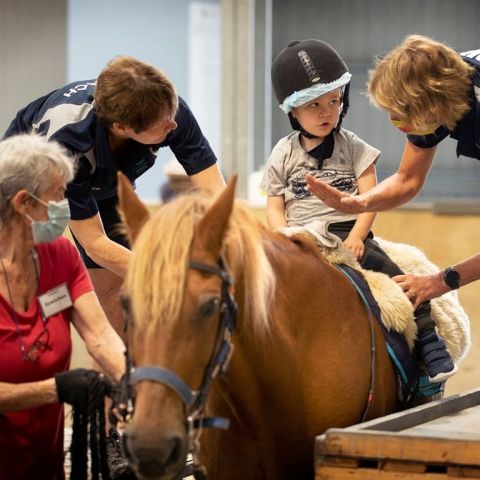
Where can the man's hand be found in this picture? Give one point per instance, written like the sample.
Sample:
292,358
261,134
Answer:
419,288
332,197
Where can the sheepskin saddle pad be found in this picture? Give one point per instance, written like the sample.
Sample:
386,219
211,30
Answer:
452,322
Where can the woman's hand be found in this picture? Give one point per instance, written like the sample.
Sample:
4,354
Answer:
332,197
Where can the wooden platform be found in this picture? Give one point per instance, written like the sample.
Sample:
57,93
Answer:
440,440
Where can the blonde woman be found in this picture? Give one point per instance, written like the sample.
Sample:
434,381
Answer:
431,92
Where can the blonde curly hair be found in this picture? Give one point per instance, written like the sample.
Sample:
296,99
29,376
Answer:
422,81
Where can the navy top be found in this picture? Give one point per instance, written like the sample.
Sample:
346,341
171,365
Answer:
68,116
467,131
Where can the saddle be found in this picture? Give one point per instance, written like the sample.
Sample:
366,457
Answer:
395,310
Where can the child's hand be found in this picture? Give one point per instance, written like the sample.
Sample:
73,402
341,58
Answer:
355,245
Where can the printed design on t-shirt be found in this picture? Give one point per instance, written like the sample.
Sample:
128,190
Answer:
342,180
298,187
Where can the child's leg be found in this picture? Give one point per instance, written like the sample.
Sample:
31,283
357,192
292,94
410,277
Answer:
430,345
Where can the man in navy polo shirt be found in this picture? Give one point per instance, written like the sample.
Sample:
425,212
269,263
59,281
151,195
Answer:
116,123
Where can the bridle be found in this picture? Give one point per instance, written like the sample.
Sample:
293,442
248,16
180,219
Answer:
194,400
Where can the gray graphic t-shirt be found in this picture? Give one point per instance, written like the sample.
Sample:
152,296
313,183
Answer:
289,163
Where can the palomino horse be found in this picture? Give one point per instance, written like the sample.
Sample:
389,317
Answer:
302,358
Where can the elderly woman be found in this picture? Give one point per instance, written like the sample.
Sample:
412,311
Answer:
43,282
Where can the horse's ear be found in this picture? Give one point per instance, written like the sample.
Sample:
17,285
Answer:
131,209
211,228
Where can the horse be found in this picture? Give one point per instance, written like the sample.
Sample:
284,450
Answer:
303,342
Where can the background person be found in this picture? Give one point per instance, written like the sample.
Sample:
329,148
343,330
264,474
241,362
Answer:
116,123
430,92
43,282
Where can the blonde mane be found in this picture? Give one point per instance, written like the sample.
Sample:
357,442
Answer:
157,273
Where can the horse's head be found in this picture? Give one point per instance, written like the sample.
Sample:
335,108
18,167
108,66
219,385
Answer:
178,302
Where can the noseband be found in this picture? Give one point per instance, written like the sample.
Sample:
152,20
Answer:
194,400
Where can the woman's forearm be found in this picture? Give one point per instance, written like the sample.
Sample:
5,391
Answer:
14,397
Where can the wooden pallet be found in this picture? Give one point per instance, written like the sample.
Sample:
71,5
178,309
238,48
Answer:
440,440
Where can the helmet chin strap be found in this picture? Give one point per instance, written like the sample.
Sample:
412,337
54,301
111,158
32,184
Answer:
296,126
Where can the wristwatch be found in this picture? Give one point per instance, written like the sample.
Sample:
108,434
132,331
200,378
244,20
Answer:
451,278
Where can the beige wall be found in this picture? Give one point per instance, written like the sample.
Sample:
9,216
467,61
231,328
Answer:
445,239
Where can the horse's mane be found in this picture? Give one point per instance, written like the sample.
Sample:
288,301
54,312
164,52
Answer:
157,273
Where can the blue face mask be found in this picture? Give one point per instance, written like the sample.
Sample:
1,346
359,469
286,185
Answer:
58,219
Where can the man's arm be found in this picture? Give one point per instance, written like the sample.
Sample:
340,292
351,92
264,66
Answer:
394,191
107,253
426,287
210,179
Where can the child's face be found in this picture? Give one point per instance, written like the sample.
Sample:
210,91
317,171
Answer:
320,116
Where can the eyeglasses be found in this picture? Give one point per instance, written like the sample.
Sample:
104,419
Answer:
39,346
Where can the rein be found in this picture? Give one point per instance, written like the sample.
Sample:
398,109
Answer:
194,400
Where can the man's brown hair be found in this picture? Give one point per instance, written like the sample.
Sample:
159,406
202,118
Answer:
134,93
422,81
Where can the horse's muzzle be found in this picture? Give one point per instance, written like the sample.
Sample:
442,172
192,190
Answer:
162,458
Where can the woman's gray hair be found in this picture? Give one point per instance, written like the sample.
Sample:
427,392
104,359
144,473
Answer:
29,161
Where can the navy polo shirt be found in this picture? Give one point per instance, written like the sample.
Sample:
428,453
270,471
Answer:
68,116
467,131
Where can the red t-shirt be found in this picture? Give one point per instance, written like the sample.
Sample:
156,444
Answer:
31,441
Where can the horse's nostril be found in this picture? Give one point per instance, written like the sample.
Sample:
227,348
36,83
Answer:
155,457
177,451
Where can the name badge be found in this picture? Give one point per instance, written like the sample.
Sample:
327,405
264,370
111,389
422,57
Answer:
55,300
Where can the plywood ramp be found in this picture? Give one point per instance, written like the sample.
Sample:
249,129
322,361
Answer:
440,440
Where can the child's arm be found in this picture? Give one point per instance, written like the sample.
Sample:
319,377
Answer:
276,212
363,224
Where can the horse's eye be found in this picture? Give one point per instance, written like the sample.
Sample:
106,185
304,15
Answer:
210,307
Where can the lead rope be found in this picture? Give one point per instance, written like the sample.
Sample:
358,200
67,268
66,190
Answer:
88,430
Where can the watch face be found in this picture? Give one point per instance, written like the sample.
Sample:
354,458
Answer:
452,278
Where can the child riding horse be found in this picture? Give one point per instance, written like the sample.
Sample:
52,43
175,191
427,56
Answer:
303,359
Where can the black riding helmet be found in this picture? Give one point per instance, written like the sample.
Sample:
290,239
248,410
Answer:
306,70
